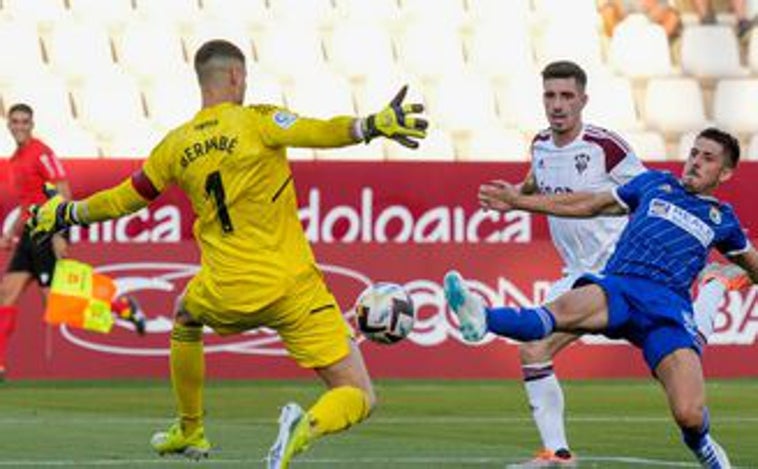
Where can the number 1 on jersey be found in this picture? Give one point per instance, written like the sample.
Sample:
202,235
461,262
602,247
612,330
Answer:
214,187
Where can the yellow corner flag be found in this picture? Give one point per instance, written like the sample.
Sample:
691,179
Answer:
80,297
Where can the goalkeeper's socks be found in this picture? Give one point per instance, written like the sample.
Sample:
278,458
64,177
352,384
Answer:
188,375
705,448
338,409
522,324
7,326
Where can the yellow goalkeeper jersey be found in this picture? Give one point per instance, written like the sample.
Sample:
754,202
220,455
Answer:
231,162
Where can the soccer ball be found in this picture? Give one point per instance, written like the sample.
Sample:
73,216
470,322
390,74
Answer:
385,313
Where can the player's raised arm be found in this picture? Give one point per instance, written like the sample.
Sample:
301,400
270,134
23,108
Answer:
58,214
397,121
503,196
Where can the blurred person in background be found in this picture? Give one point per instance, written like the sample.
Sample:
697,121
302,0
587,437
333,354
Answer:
706,12
32,165
614,12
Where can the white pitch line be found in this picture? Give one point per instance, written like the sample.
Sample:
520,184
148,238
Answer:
391,462
433,420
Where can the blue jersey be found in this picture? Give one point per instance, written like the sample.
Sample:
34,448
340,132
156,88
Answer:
671,231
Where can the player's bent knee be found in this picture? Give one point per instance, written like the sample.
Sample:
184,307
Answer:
689,415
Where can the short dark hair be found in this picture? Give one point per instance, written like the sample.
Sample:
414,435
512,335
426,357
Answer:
21,107
728,142
217,48
565,69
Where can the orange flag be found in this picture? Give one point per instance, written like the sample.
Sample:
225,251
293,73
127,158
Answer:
80,298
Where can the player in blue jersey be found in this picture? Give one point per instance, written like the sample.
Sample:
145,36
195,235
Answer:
643,294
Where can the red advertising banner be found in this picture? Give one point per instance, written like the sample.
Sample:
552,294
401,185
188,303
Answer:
402,222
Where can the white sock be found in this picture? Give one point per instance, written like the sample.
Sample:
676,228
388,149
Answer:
546,400
706,306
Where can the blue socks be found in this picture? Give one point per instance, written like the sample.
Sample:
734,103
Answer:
701,444
522,324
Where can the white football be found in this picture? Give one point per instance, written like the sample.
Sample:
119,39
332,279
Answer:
385,313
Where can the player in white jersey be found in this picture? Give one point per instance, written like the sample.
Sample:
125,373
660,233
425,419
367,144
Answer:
571,156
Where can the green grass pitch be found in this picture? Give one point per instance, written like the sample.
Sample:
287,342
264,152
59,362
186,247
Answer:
419,424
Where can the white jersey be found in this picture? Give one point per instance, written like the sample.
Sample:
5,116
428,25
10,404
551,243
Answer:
596,161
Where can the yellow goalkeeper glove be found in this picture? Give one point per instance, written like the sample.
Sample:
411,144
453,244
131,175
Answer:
51,217
395,122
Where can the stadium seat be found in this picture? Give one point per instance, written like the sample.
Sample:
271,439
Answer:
309,13
752,51
25,54
493,144
47,94
113,14
263,88
735,105
445,12
7,144
430,63
611,103
166,54
752,149
371,152
501,52
674,105
686,141
711,51
104,112
77,50
463,102
562,41
42,14
583,13
358,50
173,100
437,146
290,52
180,14
379,89
132,141
370,11
254,15
640,49
520,103
514,12
301,154
648,146
322,96
208,30
70,141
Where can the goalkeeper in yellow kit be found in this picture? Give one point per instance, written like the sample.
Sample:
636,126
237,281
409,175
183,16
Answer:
257,268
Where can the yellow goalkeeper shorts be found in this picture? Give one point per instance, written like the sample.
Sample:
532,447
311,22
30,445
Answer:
308,320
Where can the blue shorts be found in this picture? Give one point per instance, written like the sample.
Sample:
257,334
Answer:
649,315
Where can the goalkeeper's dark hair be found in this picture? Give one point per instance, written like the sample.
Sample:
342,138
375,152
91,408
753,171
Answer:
21,107
216,49
728,142
565,69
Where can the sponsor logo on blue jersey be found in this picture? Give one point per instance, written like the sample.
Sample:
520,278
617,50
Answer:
683,219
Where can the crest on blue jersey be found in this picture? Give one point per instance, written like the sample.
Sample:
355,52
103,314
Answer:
715,215
284,119
666,187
